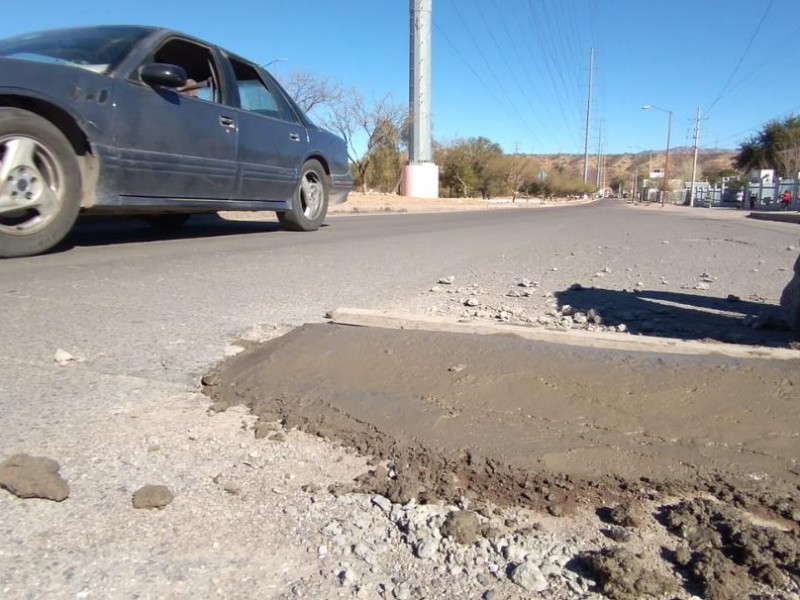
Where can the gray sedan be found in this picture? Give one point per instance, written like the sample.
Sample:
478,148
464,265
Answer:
123,120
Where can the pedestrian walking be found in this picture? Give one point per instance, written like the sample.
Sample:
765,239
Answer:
752,200
787,199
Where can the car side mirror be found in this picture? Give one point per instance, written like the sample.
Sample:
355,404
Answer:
171,76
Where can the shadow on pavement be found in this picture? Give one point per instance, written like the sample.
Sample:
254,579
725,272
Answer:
102,231
683,315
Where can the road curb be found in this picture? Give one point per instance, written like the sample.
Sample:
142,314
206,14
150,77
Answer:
601,340
780,217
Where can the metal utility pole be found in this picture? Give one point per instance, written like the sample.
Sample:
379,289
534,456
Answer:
421,175
694,162
599,156
588,119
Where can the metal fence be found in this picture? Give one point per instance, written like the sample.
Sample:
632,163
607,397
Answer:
758,196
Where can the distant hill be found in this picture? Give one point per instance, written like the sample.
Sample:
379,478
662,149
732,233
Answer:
709,163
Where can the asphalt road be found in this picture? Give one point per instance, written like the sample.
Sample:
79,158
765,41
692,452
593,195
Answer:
141,309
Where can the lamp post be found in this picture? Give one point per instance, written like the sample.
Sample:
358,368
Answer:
666,159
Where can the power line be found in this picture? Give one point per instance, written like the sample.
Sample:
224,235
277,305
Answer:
471,68
741,59
502,88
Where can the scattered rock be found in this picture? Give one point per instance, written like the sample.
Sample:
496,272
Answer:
152,496
733,298
619,534
402,591
620,575
472,302
528,576
702,286
622,328
449,280
462,526
665,242
33,477
277,437
524,282
457,368
555,510
427,547
435,289
62,357
625,516
576,287
383,503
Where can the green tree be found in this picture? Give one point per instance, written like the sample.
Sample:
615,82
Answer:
468,166
776,146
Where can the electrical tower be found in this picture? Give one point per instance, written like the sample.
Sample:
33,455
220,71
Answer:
421,175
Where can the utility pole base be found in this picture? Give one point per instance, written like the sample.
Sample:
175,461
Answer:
421,181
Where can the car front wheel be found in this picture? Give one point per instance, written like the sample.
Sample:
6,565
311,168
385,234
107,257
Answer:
40,184
310,203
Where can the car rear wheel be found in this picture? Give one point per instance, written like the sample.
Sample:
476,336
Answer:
40,184
310,204
169,222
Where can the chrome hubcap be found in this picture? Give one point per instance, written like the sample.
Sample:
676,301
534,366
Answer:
29,185
311,195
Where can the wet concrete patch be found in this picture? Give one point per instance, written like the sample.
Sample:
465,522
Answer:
524,409
556,428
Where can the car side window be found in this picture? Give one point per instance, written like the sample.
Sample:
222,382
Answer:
255,96
198,62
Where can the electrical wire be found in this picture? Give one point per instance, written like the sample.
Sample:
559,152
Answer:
741,59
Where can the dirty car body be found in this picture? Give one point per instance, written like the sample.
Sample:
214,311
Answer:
158,124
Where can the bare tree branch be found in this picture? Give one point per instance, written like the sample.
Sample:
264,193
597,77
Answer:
312,92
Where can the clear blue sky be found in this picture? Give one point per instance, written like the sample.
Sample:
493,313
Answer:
514,71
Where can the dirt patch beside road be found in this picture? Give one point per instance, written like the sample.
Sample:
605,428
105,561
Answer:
365,204
510,422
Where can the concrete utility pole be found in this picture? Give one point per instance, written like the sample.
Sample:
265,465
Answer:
421,175
694,162
588,119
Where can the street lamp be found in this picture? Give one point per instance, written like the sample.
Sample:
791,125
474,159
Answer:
666,159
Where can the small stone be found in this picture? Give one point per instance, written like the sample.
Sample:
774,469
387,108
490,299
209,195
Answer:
576,287
528,576
524,282
702,286
566,310
580,318
624,515
733,298
457,368
462,526
427,547
234,489
473,302
665,242
361,551
791,248
347,577
152,496
555,510
277,437
622,328
639,284
62,357
402,591
322,551
683,556
619,534
514,294
435,289
383,503
449,280
33,477
606,269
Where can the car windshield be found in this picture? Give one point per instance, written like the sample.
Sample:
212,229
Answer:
98,49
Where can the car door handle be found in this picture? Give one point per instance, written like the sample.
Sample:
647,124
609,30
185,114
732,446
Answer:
295,137
227,122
